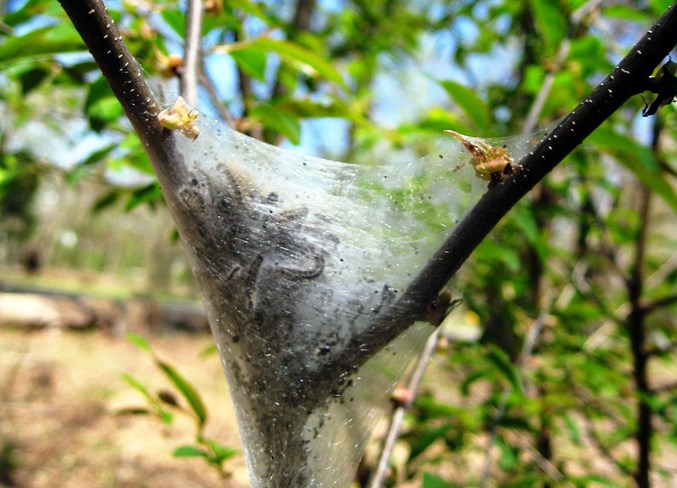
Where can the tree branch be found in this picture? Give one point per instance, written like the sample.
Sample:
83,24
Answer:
379,476
125,78
191,54
628,79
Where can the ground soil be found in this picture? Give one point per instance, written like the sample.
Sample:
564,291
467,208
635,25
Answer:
61,398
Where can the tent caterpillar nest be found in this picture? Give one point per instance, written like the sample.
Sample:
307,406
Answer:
252,236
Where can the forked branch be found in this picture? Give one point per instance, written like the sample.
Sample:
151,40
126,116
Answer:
629,78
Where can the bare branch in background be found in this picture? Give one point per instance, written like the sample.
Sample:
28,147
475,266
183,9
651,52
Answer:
214,97
191,55
381,472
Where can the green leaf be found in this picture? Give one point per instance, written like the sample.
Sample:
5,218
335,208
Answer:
593,480
626,12
104,112
637,158
138,386
175,19
589,52
101,106
252,60
660,6
470,379
500,252
41,43
139,342
105,201
508,456
501,362
430,408
573,429
190,451
283,122
33,77
210,350
220,452
468,101
432,481
186,389
427,437
150,193
549,21
308,62
164,415
533,79
29,11
97,156
437,120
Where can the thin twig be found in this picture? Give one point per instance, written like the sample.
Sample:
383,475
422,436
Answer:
191,54
637,329
214,97
659,303
125,78
398,415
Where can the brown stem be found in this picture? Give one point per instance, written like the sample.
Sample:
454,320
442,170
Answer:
637,328
191,55
379,475
125,78
660,303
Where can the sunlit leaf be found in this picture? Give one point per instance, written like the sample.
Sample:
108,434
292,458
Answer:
30,10
252,60
549,21
139,341
500,360
302,59
468,101
432,481
626,12
660,6
220,452
175,19
190,451
101,106
186,389
285,123
41,43
637,158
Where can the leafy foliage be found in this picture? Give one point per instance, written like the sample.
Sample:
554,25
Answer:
164,403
